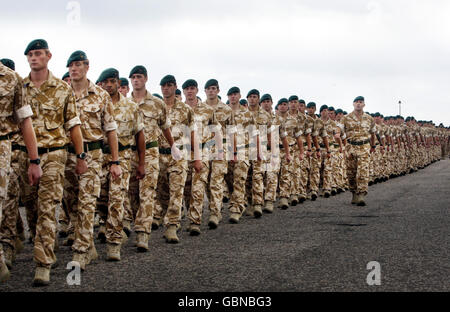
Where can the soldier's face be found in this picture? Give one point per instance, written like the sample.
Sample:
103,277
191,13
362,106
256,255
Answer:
234,98
190,93
124,90
67,79
78,70
324,113
111,85
267,105
339,116
359,106
293,105
38,59
212,92
168,90
311,110
332,115
138,81
283,107
302,107
253,100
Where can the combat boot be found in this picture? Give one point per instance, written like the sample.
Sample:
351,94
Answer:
41,276
234,218
63,226
124,238
127,227
70,239
194,229
92,254
9,255
313,196
142,241
268,207
213,222
171,234
250,210
326,194
156,223
4,272
80,257
294,200
225,199
284,204
301,199
334,191
354,199
112,252
361,200
257,211
102,234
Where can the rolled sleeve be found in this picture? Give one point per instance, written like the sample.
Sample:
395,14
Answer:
72,123
111,126
24,112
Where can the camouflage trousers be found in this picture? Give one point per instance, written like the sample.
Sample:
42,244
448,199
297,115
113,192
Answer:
326,170
11,215
131,201
81,194
236,178
271,178
195,190
340,170
5,159
219,169
47,195
358,161
255,182
314,172
286,176
296,170
112,195
170,189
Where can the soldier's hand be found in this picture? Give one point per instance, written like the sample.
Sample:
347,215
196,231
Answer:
301,156
318,154
34,174
308,154
198,166
288,158
115,171
81,167
176,153
140,172
372,150
340,150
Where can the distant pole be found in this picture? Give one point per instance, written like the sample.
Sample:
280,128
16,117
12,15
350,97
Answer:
400,107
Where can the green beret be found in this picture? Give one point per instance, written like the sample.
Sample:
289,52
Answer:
219,97
177,92
331,109
276,107
228,102
211,83
66,75
376,115
168,79
254,91
266,97
190,83
359,98
124,82
76,56
407,119
108,73
283,100
8,63
302,101
345,113
233,90
157,95
243,102
293,98
323,107
311,104
339,111
139,69
37,44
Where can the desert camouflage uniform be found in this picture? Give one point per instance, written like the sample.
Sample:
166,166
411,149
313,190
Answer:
316,162
340,175
273,161
81,192
54,113
173,173
113,191
358,131
304,165
329,170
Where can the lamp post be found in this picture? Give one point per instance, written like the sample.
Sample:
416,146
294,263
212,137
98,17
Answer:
400,107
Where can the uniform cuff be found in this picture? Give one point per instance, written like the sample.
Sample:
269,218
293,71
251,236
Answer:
110,126
24,112
72,123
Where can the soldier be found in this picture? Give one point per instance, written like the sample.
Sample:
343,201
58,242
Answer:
243,103
255,179
173,168
178,95
199,166
360,130
66,78
8,63
155,119
124,87
130,132
14,111
54,113
219,166
97,115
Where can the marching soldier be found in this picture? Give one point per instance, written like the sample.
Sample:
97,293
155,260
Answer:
124,87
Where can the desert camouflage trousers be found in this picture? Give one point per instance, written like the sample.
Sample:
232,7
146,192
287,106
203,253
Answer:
271,177
236,178
255,182
80,198
314,172
216,186
286,178
195,190
5,160
358,162
327,169
112,195
170,189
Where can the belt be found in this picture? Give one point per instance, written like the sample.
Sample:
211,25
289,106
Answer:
107,149
282,146
43,150
336,145
322,145
17,147
359,143
6,137
147,146
168,151
92,146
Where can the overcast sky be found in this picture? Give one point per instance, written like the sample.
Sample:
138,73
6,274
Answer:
324,51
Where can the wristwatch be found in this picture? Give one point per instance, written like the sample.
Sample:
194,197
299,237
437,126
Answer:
83,155
114,163
36,161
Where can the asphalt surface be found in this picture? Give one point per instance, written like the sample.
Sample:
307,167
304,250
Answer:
317,246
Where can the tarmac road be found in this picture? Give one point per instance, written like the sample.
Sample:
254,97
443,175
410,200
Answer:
318,246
